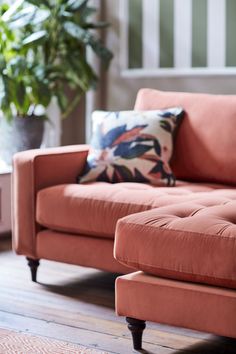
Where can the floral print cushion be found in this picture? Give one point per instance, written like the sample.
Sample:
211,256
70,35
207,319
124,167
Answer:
132,146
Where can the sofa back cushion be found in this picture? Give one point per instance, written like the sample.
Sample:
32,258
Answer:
205,146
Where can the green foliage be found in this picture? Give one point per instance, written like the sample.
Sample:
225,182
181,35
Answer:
42,51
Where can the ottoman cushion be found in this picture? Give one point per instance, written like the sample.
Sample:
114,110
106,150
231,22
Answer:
186,241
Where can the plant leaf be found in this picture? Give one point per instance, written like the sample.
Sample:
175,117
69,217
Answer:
76,32
75,5
35,38
94,25
20,95
87,77
42,93
16,67
36,48
87,11
66,14
62,100
2,63
36,3
12,9
88,39
40,16
23,17
101,51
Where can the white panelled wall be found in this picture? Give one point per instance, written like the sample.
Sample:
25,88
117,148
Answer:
150,34
123,84
216,34
182,33
216,38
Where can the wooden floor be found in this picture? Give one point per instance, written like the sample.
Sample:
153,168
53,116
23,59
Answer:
76,305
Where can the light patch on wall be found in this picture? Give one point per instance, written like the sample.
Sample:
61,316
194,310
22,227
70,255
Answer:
177,37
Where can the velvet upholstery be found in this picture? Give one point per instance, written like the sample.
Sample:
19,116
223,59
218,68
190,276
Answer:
187,241
205,144
94,209
32,171
195,306
68,248
185,233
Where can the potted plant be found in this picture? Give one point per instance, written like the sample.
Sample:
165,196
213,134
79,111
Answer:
42,51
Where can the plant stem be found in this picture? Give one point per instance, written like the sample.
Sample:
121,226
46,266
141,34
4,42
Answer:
72,106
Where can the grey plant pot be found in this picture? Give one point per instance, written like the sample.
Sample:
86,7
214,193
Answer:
19,135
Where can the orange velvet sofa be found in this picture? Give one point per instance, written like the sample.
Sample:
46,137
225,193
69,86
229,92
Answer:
180,239
183,252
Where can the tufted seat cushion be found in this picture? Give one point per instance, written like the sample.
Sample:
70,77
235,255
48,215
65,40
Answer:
93,209
186,241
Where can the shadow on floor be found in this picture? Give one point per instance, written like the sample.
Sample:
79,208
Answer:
98,288
218,345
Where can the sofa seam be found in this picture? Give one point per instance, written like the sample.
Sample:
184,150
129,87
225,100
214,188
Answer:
136,264
108,201
123,279
124,203
174,230
61,229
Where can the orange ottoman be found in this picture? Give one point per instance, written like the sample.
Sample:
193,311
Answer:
186,258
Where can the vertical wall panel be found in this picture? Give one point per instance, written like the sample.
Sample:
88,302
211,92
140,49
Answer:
135,34
166,33
230,32
151,49
178,36
182,33
199,33
216,33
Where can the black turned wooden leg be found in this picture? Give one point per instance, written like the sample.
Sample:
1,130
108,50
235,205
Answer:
136,328
33,264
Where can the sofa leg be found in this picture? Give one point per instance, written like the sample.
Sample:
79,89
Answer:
136,328
33,264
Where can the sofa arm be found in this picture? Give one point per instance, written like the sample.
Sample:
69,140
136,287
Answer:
32,171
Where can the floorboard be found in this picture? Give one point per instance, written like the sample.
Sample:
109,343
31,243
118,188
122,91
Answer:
76,305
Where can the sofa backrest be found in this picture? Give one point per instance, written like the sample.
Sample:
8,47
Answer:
205,146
